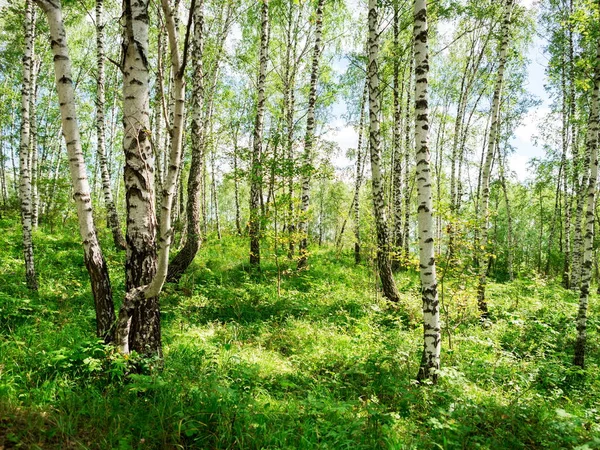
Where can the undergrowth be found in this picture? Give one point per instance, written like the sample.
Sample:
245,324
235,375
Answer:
284,360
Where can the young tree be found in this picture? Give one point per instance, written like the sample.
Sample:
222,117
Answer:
194,234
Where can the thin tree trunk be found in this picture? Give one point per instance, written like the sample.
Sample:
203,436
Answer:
509,234
309,138
383,260
236,182
215,199
359,174
398,91
111,209
25,149
430,361
586,268
93,257
256,171
492,145
407,155
186,255
34,144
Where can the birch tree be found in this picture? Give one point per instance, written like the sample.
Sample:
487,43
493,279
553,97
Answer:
309,137
111,209
141,302
492,145
25,189
93,257
430,361
379,208
590,216
257,138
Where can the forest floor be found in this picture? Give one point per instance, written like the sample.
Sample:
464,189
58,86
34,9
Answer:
322,362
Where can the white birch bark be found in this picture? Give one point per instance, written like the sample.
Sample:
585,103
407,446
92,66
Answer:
111,210
138,296
492,144
379,208
590,217
94,259
25,191
257,138
430,361
309,138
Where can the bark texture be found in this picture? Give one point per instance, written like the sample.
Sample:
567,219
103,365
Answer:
25,189
492,145
379,208
186,255
309,138
141,260
141,302
430,361
93,257
111,209
257,138
588,252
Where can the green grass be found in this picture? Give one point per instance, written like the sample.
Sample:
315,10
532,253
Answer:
322,362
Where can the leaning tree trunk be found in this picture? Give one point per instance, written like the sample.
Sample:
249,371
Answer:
111,209
138,325
309,138
25,191
383,259
586,267
186,255
489,156
257,137
94,259
430,361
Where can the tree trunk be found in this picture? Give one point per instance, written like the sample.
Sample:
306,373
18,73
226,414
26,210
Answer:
430,361
586,267
383,260
138,325
492,145
141,258
359,174
256,171
407,156
186,255
25,149
93,257
309,138
111,210
35,199
398,182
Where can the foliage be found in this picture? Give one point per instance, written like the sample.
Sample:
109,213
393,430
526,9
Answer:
324,363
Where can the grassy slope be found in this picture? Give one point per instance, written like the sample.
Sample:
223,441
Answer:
324,364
